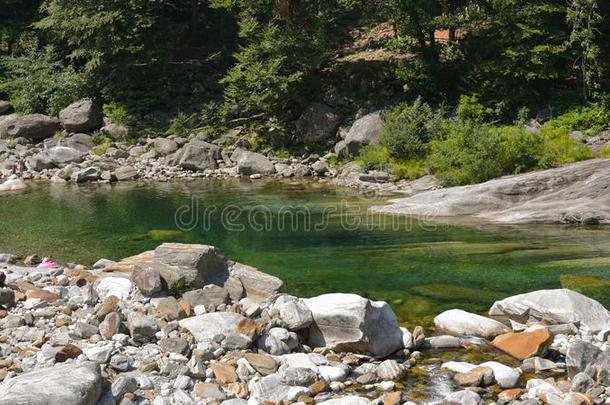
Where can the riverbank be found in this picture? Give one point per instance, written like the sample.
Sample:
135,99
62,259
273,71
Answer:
183,324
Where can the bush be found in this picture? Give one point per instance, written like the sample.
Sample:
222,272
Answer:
37,83
469,108
474,152
118,114
605,152
182,124
590,120
409,170
408,130
375,157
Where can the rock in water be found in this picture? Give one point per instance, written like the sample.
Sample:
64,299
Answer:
13,185
575,193
81,116
348,322
249,163
71,384
522,345
554,306
33,126
461,323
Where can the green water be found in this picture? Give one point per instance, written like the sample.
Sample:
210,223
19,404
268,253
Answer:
420,270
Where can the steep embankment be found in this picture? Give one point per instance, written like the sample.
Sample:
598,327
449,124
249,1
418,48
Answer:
576,193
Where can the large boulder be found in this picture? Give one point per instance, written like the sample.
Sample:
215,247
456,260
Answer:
207,327
165,146
587,358
249,163
560,306
63,155
5,107
461,323
81,142
198,156
318,122
258,286
70,384
194,265
365,131
348,322
39,161
81,116
32,126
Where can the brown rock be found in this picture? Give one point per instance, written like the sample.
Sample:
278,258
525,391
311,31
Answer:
259,286
248,327
477,377
262,363
109,305
147,278
110,325
306,400
47,296
169,310
510,394
208,391
531,342
392,398
67,352
186,307
224,373
240,390
318,387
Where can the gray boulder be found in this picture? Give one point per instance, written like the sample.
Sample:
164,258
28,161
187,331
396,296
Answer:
39,162
5,107
70,384
32,126
348,322
560,306
88,174
206,327
587,358
142,328
198,156
575,193
123,173
318,122
461,323
258,286
81,142
195,265
249,163
365,131
63,155
165,146
81,116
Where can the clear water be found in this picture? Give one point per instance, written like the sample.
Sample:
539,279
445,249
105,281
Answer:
419,270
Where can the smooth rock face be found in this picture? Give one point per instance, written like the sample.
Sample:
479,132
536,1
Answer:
81,116
13,185
348,322
526,344
461,323
33,126
249,163
205,327
587,358
365,131
574,193
556,307
71,384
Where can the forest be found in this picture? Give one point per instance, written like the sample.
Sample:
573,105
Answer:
455,78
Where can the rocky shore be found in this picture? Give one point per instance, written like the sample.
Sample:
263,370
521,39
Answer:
184,325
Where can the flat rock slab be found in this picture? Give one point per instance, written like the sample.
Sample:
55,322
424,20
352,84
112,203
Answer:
524,344
70,384
575,193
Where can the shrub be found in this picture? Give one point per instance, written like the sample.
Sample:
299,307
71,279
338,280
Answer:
375,157
409,170
408,130
118,114
591,119
182,124
605,152
37,83
469,108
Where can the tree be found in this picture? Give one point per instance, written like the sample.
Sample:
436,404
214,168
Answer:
584,18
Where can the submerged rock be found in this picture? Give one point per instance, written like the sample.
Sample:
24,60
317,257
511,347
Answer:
348,322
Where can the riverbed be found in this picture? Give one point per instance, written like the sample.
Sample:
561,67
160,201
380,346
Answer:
316,237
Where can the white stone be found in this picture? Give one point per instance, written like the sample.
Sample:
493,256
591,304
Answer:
506,376
461,323
117,286
330,373
349,400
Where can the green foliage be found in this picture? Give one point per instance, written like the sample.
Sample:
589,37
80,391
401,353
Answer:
409,170
374,157
118,114
605,152
38,83
408,129
591,119
470,108
559,148
182,124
